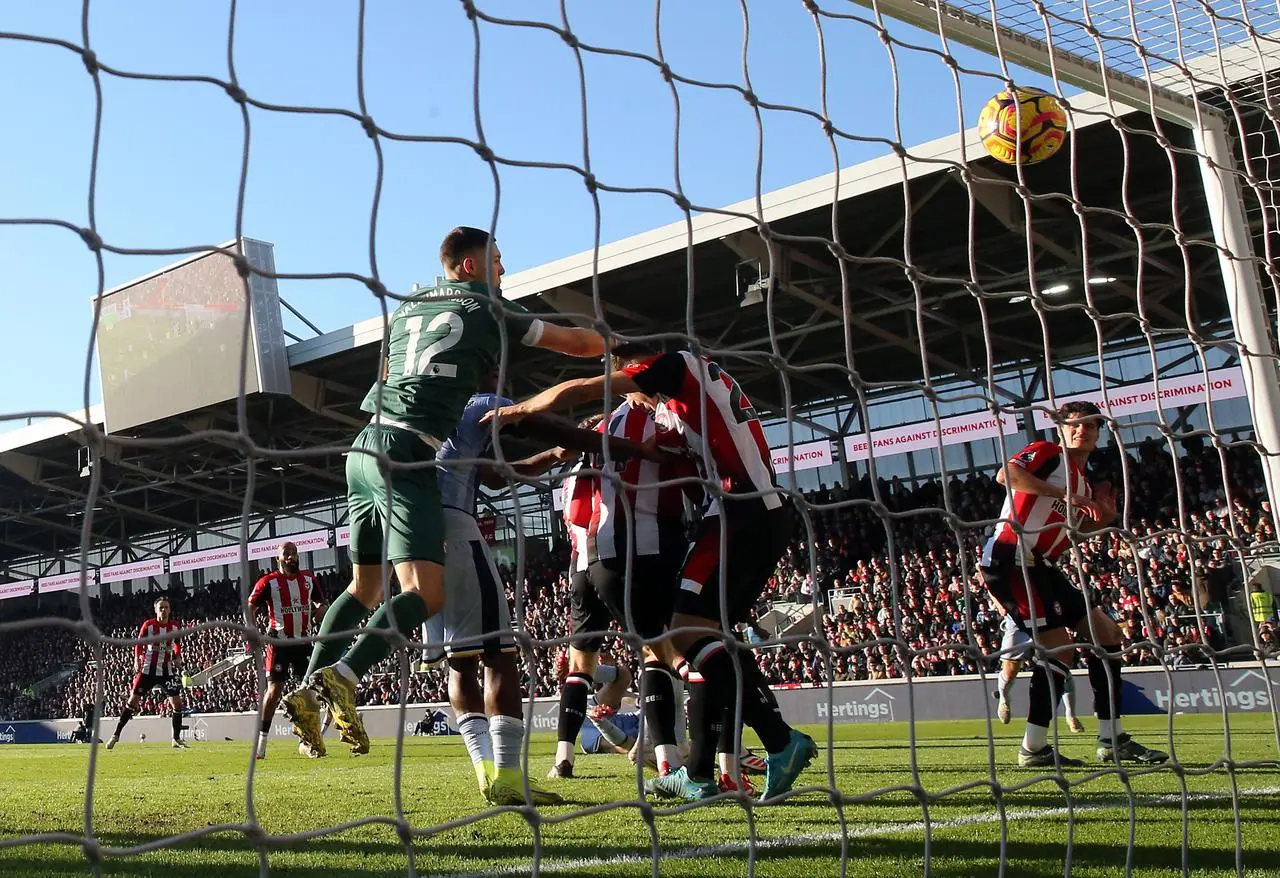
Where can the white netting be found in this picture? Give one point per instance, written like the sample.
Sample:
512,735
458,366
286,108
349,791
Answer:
924,289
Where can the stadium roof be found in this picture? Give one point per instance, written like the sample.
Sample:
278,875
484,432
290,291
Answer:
933,249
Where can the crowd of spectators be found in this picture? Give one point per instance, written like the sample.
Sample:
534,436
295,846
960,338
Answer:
1144,580
854,550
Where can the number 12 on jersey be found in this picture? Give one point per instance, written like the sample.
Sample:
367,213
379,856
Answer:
418,362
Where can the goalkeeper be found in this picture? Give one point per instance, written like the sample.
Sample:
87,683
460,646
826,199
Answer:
440,344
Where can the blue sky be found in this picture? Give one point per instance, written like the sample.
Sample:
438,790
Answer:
171,152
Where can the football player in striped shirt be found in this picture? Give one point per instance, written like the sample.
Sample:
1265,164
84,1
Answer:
632,545
155,667
1049,495
292,599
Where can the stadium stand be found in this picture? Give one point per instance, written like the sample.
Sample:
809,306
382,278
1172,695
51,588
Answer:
851,558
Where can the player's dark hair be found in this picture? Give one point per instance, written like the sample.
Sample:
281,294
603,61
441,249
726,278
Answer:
1079,409
461,243
630,351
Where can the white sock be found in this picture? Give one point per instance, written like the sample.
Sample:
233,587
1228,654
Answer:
507,733
610,732
475,735
726,763
1069,697
341,668
1035,738
668,753
564,752
263,737
1005,685
1110,729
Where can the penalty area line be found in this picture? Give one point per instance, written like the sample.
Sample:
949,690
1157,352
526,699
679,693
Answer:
873,830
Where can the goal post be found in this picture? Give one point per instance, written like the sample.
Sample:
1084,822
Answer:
1220,174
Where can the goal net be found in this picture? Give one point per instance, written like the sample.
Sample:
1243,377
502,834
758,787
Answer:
911,320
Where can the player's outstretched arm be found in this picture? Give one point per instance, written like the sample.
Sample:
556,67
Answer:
563,395
492,476
574,341
551,428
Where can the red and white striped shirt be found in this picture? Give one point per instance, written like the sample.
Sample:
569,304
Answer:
288,600
657,509
730,440
158,659
1042,519
581,512
579,517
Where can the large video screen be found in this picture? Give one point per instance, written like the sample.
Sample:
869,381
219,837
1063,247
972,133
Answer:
173,341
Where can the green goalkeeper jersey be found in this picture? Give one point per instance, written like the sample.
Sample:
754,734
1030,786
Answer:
442,342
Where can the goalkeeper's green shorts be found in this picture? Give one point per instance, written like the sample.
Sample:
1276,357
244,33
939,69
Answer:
410,516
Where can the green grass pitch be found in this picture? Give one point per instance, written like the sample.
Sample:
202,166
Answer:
145,792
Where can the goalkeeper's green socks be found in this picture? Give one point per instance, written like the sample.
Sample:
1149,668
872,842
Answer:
410,611
344,614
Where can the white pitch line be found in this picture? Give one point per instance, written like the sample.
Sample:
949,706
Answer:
869,831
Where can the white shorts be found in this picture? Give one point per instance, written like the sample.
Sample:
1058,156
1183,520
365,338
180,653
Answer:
475,603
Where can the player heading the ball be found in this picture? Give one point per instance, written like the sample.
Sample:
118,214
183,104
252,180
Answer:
440,343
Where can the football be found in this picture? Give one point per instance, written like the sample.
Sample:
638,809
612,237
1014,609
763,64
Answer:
1023,126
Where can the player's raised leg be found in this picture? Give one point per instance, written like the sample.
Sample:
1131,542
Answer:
349,609
414,524
1013,642
421,594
